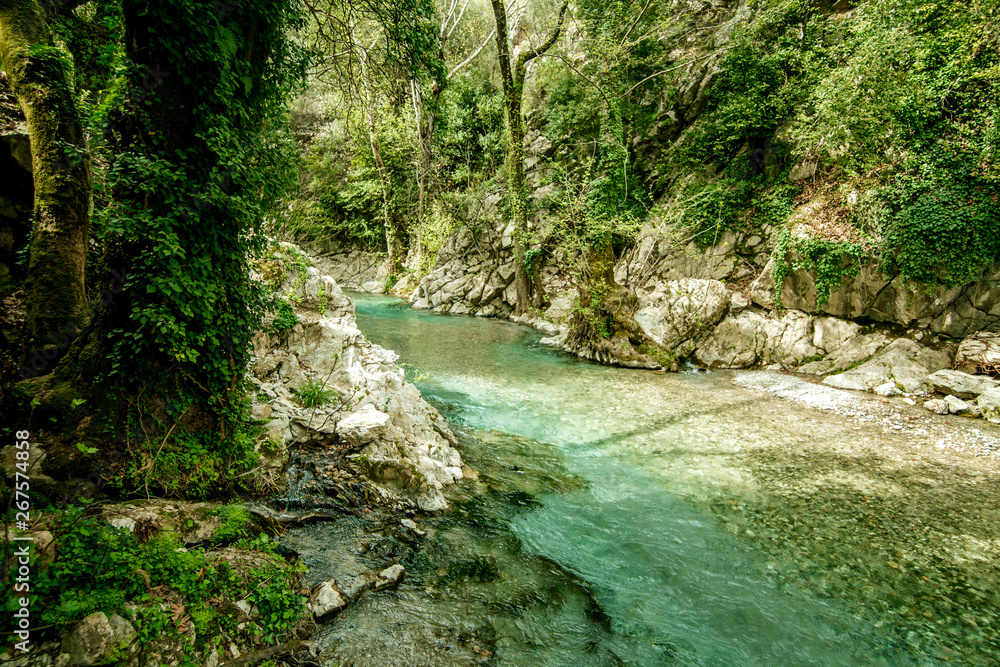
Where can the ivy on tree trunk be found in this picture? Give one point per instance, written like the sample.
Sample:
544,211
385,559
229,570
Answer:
512,76
40,76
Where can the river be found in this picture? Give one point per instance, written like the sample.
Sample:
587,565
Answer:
626,517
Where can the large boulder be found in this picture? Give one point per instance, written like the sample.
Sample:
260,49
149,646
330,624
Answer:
960,384
849,354
903,361
951,311
979,352
405,443
736,343
95,638
681,309
831,333
751,338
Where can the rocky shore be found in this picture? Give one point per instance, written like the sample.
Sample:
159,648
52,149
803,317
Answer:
719,307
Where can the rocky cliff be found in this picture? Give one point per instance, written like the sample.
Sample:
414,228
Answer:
322,381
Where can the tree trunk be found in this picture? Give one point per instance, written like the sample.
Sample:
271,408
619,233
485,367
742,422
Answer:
424,118
392,251
39,75
512,78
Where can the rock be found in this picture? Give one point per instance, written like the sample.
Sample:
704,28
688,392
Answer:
554,341
830,333
192,522
903,360
39,481
887,389
95,637
851,353
326,599
956,406
749,338
735,343
738,302
979,352
390,576
291,373
411,525
989,404
431,499
960,384
318,294
937,406
279,431
561,308
788,340
680,309
803,170
362,426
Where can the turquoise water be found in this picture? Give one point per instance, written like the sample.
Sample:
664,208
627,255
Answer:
610,552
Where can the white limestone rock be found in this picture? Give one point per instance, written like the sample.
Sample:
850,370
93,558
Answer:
680,309
957,406
363,426
937,406
989,404
963,385
326,599
903,360
390,576
887,389
978,352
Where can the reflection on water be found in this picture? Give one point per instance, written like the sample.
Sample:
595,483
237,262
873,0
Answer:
590,537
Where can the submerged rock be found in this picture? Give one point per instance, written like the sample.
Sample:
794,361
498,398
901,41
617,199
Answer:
390,576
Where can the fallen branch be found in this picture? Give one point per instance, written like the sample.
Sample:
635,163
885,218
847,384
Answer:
294,646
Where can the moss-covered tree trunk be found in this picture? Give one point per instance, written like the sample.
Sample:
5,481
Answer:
39,75
512,76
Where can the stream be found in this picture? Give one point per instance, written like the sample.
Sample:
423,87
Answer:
625,517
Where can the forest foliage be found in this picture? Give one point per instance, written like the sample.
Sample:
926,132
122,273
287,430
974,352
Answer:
892,102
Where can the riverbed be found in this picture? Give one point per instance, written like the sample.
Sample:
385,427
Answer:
624,517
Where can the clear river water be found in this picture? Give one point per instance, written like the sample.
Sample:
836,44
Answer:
626,517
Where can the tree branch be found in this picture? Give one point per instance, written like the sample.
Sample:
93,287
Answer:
475,53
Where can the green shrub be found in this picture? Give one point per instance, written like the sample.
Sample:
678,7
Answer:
285,317
99,568
313,394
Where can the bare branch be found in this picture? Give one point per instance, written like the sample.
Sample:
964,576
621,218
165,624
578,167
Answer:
472,57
